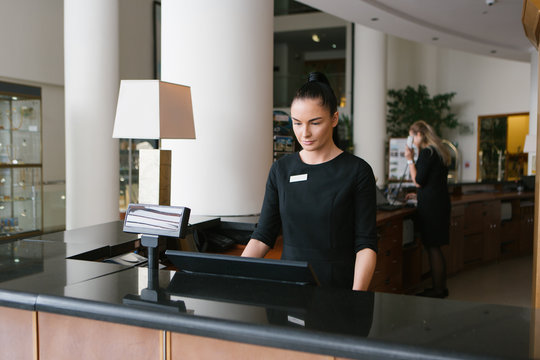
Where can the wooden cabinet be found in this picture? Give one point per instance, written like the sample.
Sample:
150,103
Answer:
472,234
478,233
510,230
454,259
526,233
481,233
482,230
388,273
190,347
492,230
18,339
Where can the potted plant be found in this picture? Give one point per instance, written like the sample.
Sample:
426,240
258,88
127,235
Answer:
405,106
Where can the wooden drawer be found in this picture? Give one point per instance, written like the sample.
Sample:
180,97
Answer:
474,218
389,264
458,210
473,248
392,284
389,229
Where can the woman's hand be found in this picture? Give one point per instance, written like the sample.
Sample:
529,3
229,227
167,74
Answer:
410,196
409,153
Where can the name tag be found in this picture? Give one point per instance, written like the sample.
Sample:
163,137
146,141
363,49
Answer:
297,178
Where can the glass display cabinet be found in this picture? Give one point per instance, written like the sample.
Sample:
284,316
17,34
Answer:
20,161
129,169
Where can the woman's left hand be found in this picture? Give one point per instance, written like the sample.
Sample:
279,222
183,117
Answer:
409,153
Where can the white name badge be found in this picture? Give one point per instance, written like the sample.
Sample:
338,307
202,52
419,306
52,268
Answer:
297,178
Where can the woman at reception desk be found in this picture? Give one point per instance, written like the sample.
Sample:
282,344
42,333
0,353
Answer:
322,198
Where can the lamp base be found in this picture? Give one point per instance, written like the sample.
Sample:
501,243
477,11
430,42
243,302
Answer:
155,176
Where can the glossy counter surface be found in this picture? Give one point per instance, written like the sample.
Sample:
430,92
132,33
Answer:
36,275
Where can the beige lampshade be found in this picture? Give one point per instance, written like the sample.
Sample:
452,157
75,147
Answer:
153,109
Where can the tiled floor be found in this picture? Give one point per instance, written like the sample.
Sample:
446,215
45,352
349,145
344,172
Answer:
507,282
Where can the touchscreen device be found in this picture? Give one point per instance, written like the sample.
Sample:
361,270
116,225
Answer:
299,272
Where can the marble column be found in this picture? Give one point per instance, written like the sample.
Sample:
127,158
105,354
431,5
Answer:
369,115
224,51
91,90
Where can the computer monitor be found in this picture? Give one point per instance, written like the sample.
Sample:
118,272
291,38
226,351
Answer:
298,272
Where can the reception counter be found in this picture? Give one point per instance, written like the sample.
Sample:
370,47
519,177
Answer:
55,305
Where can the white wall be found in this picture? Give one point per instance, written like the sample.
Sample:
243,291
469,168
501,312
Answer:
32,40
483,86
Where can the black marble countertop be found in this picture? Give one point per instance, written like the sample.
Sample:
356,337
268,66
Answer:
44,274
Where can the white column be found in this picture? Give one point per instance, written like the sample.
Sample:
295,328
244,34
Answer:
91,90
369,117
223,50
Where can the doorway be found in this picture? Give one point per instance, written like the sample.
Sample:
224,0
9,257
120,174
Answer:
501,139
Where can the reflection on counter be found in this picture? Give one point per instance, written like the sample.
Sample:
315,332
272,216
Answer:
282,303
18,259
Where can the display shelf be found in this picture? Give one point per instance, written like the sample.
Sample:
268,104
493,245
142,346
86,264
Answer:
20,161
284,141
129,169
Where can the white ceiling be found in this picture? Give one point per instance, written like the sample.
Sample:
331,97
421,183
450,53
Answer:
468,25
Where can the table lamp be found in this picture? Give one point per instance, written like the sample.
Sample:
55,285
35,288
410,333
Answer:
154,109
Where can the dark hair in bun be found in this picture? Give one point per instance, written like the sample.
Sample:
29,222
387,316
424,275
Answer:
318,87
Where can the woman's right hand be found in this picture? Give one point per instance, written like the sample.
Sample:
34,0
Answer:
409,153
410,196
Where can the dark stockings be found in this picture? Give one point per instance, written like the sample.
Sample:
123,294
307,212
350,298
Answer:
438,267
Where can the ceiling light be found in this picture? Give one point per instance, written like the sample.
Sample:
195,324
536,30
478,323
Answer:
493,51
315,38
334,46
434,38
374,19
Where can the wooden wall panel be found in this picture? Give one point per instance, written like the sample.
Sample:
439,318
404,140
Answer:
189,347
530,18
67,337
16,334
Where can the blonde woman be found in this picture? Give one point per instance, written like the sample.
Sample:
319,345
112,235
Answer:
429,174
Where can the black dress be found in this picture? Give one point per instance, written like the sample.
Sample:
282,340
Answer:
327,213
433,199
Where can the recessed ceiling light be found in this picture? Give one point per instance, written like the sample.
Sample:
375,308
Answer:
493,51
374,19
434,38
315,38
